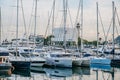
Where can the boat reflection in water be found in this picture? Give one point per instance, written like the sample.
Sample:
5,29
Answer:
81,70
100,67
22,72
37,69
58,72
105,72
5,73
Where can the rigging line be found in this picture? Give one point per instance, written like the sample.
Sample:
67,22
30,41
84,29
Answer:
30,19
23,16
104,76
81,24
56,18
108,30
117,16
115,25
116,30
101,22
70,20
108,77
60,30
53,20
65,21
49,17
78,11
0,27
53,16
35,20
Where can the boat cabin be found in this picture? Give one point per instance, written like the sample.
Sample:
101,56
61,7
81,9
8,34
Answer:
4,57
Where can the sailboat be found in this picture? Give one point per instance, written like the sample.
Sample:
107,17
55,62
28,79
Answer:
99,60
58,72
36,60
4,55
115,60
60,58
81,60
17,61
4,60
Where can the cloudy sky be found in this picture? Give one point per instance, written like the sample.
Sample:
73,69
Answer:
8,8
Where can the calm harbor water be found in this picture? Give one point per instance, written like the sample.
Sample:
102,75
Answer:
95,72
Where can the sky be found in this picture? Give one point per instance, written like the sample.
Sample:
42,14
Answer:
9,10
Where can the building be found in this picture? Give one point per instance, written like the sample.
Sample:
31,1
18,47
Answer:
59,35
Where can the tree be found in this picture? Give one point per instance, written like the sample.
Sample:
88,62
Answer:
48,40
79,41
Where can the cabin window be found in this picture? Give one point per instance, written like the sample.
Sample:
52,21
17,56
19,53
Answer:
26,50
56,72
56,60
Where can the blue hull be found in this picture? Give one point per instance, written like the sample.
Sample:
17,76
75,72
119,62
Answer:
100,67
21,64
100,61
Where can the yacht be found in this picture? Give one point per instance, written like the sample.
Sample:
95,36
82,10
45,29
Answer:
59,59
17,60
4,60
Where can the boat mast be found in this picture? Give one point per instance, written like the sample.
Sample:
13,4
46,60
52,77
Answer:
113,10
97,37
17,26
81,25
35,22
64,24
0,26
97,28
53,21
25,34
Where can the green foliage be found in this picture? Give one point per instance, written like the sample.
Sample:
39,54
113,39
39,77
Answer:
47,40
94,43
86,42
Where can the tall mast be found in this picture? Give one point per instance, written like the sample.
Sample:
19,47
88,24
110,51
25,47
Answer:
81,25
53,19
25,34
0,26
17,26
113,44
97,36
113,10
35,22
64,24
97,28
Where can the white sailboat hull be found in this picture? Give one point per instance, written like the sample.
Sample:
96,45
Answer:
59,62
37,62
